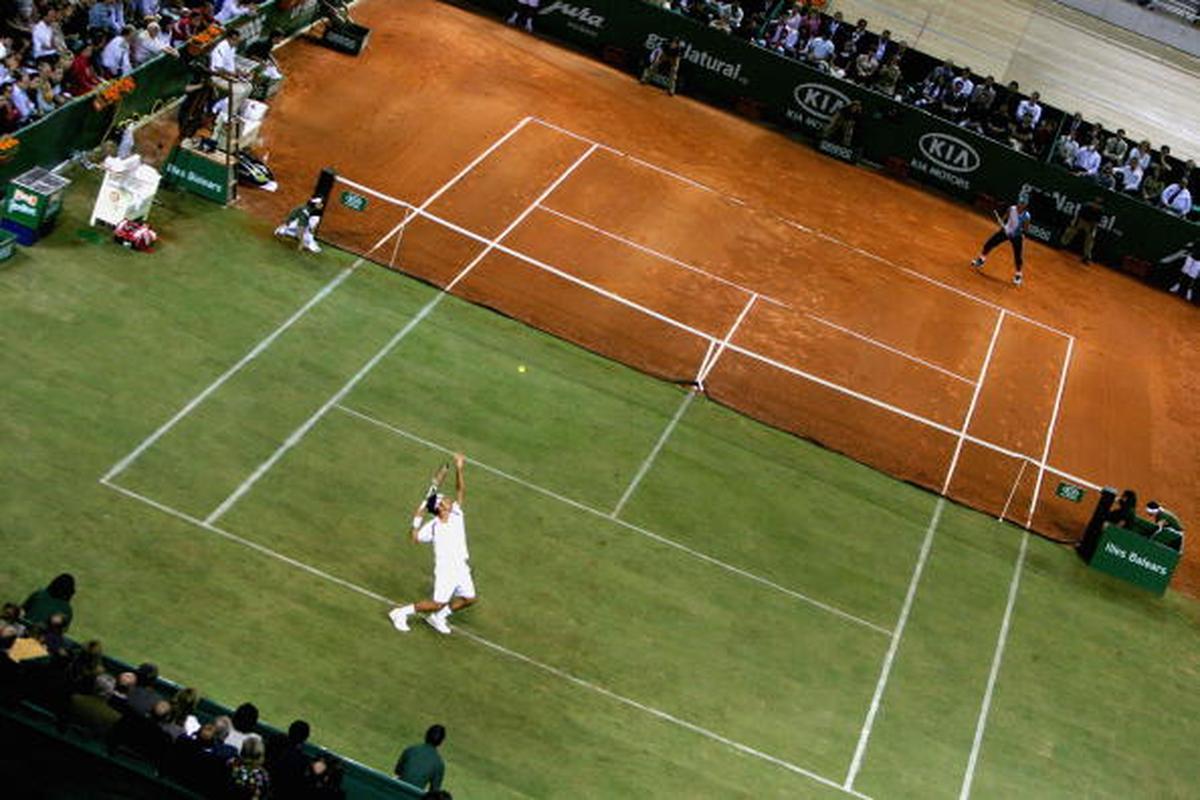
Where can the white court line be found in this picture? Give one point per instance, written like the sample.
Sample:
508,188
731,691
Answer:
987,360
986,706
477,639
1013,491
1062,384
706,367
325,291
618,521
659,255
801,227
693,268
654,451
864,735
300,432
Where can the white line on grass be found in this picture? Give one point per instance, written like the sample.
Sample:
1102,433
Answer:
716,562
864,735
799,226
324,292
985,707
654,451
300,432
1062,384
987,360
477,639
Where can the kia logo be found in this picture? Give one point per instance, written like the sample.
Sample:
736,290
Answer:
949,152
818,100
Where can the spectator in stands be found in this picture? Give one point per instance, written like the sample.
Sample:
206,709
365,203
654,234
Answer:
46,37
1163,159
245,717
81,77
54,599
1143,154
286,762
10,118
107,16
186,27
1106,177
232,9
324,779
144,696
957,96
1087,220
182,721
998,125
248,777
887,82
22,101
11,674
819,53
1153,181
1030,108
983,96
116,57
1115,148
1023,136
1074,126
93,709
150,42
10,614
1066,150
1129,176
864,68
215,748
883,46
420,764
1087,159
1176,198
47,88
929,93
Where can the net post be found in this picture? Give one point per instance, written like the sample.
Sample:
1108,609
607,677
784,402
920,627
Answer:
322,189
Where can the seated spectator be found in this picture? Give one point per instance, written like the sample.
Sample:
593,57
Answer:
11,674
245,717
1143,153
286,762
929,93
92,710
1087,160
1115,148
10,118
115,58
1030,109
248,777
143,696
864,67
1065,151
47,88
1176,199
887,82
883,47
81,77
1043,137
181,718
957,96
232,9
1129,177
87,664
420,764
323,780
21,99
150,42
983,96
1075,127
1022,136
11,615
1106,178
54,638
46,39
998,126
54,599
819,53
1153,184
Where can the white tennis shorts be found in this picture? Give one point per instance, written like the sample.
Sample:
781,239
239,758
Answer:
453,581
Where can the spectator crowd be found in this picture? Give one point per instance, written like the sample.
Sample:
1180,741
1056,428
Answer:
54,50
981,104
136,714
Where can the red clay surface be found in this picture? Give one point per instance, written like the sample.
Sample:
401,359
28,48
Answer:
842,257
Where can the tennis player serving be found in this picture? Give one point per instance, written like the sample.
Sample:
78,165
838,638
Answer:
453,589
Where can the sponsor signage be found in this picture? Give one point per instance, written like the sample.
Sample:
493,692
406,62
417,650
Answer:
198,174
1069,491
701,58
579,18
815,104
1132,557
354,202
947,159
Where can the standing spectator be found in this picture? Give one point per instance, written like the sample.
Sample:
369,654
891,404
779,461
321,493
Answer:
1087,220
54,599
1087,160
1030,109
420,764
1129,177
1116,148
115,59
1176,198
287,763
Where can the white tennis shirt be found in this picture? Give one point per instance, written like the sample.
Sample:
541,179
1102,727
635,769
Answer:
449,539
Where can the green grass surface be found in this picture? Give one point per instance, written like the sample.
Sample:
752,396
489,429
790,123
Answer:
707,603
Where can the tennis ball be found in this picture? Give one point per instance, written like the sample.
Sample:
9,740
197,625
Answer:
521,368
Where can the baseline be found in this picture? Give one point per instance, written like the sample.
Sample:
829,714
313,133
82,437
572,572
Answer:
324,292
495,647
716,562
798,225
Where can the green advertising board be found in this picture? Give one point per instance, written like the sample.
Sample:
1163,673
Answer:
1069,491
762,84
1132,557
199,174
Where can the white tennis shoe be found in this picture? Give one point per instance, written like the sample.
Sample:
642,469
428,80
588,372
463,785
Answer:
438,623
1017,279
399,620
977,263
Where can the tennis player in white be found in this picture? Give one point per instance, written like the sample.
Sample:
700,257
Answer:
453,588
